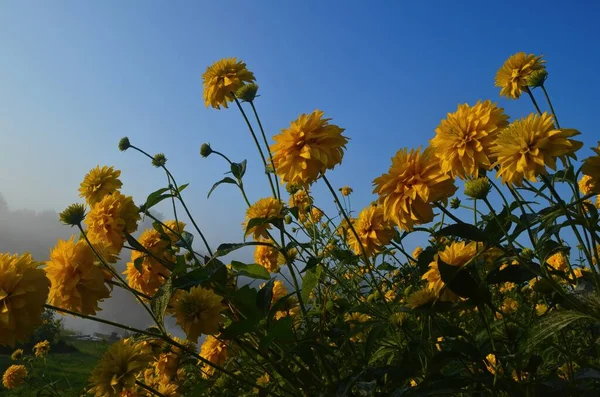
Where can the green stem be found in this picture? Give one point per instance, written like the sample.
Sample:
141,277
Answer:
528,91
150,389
267,146
551,107
448,213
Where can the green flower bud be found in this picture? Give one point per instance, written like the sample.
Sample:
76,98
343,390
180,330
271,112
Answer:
247,92
73,215
455,203
536,78
205,150
159,160
288,219
124,144
527,253
478,188
291,188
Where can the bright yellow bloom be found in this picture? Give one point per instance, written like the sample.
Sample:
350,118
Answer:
507,287
509,306
222,79
197,311
317,215
456,254
492,364
267,257
512,76
413,383
279,291
463,140
110,218
99,182
14,376
346,191
541,309
116,372
528,145
153,273
17,355
374,231
169,389
265,208
586,185
308,148
23,293
421,297
77,280
591,168
41,348
214,351
263,381
558,262
413,182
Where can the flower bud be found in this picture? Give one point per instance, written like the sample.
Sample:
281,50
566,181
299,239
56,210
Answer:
73,215
527,253
288,219
454,203
124,144
478,188
291,188
159,160
536,78
205,150
247,92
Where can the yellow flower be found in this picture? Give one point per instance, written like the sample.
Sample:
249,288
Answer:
586,185
591,168
415,254
353,319
509,306
541,309
512,76
463,140
558,262
456,254
263,381
110,218
492,364
23,292
374,232
41,349
420,298
399,318
14,376
222,79
169,389
307,148
17,355
413,182
116,372
279,291
153,273
77,281
413,383
268,257
214,351
197,312
99,182
346,191
507,287
317,214
528,145
266,208
301,200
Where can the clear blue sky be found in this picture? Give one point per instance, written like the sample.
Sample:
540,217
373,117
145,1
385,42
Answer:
77,76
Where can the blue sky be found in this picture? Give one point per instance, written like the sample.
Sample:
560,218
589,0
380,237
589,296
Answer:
77,76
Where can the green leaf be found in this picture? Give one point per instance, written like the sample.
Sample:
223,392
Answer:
424,259
238,169
312,262
187,240
137,263
261,221
281,330
191,279
224,180
461,282
244,300
239,328
386,267
160,300
309,281
513,274
155,198
253,270
549,325
264,297
180,188
228,248
294,212
372,338
134,243
463,230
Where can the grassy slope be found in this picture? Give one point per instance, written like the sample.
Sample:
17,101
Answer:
69,370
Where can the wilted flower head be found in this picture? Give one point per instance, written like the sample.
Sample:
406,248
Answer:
308,148
478,188
374,231
512,76
98,183
265,208
116,372
413,182
222,79
197,311
247,92
24,290
528,145
14,376
463,140
73,215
